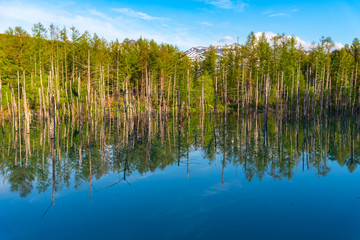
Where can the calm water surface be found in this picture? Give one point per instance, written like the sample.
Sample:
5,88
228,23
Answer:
204,180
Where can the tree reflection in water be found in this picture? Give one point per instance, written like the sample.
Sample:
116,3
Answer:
277,149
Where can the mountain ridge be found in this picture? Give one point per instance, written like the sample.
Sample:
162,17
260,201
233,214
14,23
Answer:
199,51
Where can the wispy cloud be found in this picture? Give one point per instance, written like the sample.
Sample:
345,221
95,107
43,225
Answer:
227,4
206,23
281,14
132,13
99,14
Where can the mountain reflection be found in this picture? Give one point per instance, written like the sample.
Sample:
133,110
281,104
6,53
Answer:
79,155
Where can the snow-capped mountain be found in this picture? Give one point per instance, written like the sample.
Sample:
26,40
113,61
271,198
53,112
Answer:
199,52
196,52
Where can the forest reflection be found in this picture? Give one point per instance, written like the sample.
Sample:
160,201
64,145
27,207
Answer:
78,155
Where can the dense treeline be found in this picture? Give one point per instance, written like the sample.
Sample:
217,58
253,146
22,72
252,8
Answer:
282,75
64,73
70,74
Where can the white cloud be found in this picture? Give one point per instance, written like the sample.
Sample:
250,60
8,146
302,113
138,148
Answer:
338,45
131,13
98,14
282,14
226,39
227,4
300,42
270,35
206,23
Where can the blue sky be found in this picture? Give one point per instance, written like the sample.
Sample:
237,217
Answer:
190,23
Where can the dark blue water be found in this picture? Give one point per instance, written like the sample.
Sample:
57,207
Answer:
302,182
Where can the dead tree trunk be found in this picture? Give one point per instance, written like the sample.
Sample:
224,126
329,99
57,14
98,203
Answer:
188,94
88,91
1,109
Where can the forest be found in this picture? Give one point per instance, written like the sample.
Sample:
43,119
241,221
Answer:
54,73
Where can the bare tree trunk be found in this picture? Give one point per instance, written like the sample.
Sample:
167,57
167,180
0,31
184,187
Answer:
315,93
292,92
354,88
298,92
174,100
329,96
1,109
215,108
327,89
242,86
277,95
257,92
188,94
161,102
9,109
266,100
88,91
179,108
79,101
322,91
15,111
168,97
281,94
19,110
26,110
225,93
238,97
202,96
41,108
52,118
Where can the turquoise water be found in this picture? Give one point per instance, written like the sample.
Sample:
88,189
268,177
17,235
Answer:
293,180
